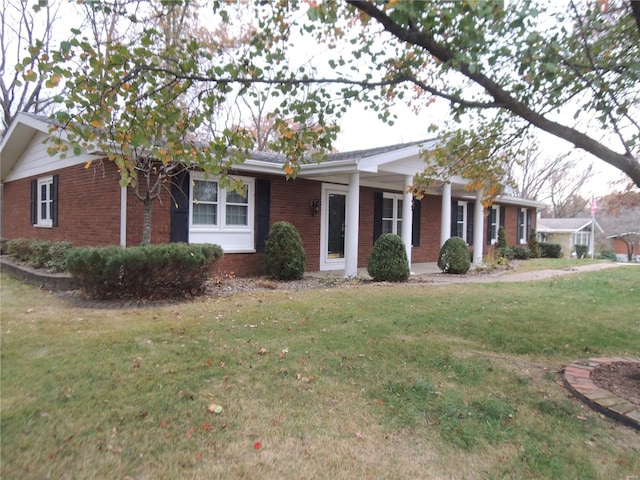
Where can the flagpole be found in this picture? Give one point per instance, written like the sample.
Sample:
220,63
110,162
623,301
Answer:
593,225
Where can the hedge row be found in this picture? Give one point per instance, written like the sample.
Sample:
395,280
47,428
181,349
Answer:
151,271
39,253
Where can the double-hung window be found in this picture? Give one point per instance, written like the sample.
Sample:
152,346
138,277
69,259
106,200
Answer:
461,221
44,202
392,213
222,214
523,226
494,224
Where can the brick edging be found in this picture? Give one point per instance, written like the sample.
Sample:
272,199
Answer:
50,281
577,378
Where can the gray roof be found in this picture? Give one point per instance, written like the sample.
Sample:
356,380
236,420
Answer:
564,224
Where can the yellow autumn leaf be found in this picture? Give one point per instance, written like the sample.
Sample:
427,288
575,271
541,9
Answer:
88,164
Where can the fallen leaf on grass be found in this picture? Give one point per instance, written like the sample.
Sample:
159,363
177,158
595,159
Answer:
257,446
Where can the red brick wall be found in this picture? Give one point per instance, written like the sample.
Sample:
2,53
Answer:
88,207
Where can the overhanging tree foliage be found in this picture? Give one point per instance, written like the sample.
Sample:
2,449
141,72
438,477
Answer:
571,71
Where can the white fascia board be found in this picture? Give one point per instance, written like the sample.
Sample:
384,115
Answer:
326,168
392,156
258,166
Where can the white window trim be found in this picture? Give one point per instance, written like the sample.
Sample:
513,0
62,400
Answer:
232,238
40,220
395,219
495,208
465,218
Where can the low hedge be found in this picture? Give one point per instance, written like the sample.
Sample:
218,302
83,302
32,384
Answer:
40,253
150,271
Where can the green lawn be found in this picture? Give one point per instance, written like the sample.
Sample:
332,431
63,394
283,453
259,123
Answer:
361,381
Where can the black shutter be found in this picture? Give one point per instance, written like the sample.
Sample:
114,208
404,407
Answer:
263,209
34,202
503,214
470,215
377,215
528,232
415,223
180,185
54,201
454,218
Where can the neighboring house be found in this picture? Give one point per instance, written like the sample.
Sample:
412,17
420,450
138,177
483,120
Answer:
340,206
567,232
626,246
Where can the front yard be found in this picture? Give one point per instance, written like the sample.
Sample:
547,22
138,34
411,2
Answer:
362,381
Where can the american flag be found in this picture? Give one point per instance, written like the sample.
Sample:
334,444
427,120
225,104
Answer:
593,205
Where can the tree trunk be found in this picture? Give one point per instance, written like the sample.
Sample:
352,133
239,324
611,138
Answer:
146,221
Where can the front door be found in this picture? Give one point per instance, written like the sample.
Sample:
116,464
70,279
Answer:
333,227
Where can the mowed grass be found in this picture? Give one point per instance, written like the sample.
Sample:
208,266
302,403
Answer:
359,381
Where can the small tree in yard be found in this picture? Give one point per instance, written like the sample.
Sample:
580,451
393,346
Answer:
284,254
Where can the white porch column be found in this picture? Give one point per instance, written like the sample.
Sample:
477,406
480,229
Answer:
445,214
123,216
407,218
351,228
478,228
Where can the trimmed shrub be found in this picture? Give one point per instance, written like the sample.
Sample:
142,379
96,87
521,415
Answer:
388,261
550,250
534,244
56,260
284,254
19,249
521,253
39,252
506,253
582,251
502,238
454,256
149,271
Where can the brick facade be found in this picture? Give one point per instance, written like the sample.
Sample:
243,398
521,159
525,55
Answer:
89,214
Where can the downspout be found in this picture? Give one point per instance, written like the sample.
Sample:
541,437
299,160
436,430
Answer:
123,217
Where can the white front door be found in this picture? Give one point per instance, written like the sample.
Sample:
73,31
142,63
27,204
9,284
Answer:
332,233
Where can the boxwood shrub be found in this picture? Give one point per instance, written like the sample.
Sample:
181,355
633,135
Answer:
388,261
149,271
454,256
284,255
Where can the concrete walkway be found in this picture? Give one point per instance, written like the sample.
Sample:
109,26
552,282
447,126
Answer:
430,272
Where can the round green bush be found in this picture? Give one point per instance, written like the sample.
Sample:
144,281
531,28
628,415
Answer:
284,254
388,261
454,256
